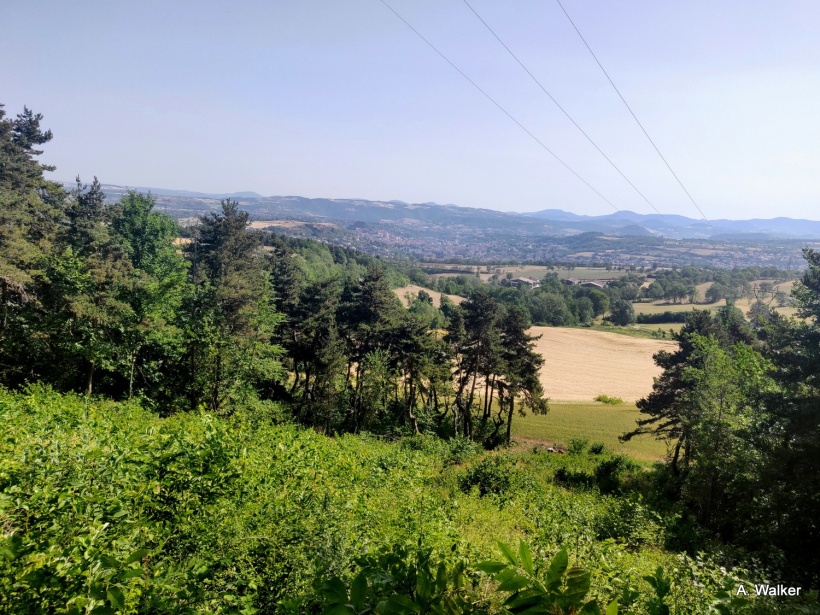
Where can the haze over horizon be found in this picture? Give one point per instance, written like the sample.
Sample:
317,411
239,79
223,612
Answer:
328,100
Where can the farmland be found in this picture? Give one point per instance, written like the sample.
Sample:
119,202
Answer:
580,364
596,422
743,303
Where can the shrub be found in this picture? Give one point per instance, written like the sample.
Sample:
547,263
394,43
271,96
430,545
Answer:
491,475
597,448
577,446
609,473
606,399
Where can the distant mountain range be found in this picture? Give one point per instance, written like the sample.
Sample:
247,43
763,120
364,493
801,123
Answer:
547,222
671,225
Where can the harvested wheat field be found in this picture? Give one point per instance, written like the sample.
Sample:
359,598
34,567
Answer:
409,292
580,364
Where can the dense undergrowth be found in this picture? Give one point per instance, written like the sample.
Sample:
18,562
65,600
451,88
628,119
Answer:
106,507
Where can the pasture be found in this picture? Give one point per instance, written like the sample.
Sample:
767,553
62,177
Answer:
743,304
595,421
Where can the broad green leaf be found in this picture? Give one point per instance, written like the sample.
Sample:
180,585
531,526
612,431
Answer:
612,608
136,556
441,578
402,604
557,567
96,591
108,563
358,591
12,546
491,567
526,557
523,599
423,582
334,591
514,584
578,581
115,596
339,609
591,608
507,553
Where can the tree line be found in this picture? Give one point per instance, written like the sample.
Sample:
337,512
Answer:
110,299
738,404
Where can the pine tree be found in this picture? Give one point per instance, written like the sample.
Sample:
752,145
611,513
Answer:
231,314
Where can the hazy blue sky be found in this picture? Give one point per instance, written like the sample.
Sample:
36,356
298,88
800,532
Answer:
340,99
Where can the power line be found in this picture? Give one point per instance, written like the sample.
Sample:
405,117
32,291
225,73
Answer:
564,111
503,110
635,117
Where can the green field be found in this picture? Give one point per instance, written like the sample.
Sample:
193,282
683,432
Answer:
596,421
651,328
660,308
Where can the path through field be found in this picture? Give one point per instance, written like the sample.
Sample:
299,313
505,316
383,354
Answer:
581,364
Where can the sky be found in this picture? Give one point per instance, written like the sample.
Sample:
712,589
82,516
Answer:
340,99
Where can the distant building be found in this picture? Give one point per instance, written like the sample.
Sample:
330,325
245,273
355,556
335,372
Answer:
570,281
518,282
594,283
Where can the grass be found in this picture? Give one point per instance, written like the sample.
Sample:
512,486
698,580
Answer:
660,308
648,331
596,421
652,328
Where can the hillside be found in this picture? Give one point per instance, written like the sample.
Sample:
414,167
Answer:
441,232
132,513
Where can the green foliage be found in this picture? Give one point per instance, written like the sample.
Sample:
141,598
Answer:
622,313
606,399
558,589
106,505
491,476
577,445
400,582
597,448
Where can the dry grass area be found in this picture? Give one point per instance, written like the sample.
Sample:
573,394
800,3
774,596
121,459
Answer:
263,224
581,364
407,293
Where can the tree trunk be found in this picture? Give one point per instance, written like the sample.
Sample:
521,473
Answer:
90,381
509,417
675,456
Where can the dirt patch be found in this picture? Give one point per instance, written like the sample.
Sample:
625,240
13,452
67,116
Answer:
581,364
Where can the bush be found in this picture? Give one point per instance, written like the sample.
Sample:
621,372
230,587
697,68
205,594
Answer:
577,446
597,448
606,399
491,475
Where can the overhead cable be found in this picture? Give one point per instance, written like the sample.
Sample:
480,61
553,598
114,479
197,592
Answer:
502,109
564,111
635,117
